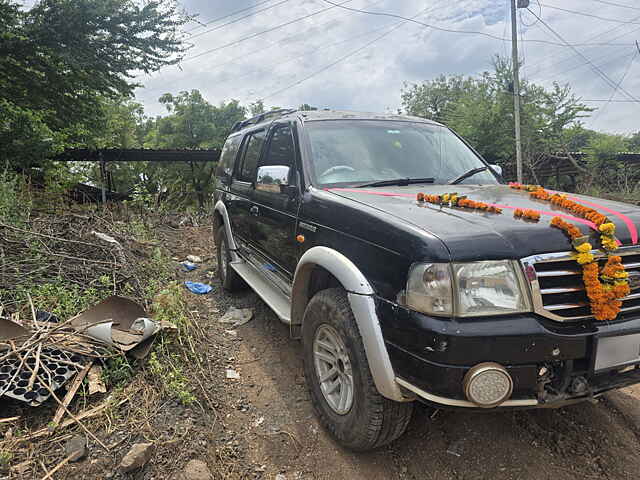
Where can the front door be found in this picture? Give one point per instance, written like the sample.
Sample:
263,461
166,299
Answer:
275,200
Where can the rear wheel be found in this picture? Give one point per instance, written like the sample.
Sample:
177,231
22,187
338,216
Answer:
339,380
229,279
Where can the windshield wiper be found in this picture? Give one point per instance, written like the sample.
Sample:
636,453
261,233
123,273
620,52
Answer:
468,174
397,181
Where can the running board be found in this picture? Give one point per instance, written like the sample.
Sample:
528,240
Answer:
266,290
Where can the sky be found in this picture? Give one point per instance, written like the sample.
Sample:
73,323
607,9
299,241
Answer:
342,59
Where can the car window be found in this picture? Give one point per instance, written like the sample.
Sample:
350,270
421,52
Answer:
228,156
252,153
276,167
355,152
281,149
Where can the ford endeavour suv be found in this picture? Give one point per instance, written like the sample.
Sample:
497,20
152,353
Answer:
397,300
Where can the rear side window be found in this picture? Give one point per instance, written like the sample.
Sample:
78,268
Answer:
252,153
228,156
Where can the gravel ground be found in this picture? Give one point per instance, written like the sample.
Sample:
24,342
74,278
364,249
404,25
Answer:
262,425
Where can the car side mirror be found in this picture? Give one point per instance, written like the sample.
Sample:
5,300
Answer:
497,169
273,178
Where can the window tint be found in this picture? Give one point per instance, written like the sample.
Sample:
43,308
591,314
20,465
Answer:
281,150
353,152
228,156
251,156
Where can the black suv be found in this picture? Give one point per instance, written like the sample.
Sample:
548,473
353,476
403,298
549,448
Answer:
398,300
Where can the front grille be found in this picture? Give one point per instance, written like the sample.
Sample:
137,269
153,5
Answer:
558,290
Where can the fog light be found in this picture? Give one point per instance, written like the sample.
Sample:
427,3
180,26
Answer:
487,385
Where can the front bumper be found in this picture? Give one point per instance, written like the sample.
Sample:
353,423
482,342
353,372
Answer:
551,364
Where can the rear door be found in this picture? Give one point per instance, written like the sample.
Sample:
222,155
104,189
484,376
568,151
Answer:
276,198
241,187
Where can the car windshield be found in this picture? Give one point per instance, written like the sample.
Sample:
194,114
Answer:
366,151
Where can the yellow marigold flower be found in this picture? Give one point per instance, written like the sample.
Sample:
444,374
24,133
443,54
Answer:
608,228
621,275
583,258
453,199
584,247
446,197
620,283
608,243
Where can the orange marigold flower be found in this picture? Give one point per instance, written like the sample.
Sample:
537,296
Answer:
420,197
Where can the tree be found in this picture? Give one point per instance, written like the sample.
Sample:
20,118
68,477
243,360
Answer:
634,142
61,59
192,123
480,109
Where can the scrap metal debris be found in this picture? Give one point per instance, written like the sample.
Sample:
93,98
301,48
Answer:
39,357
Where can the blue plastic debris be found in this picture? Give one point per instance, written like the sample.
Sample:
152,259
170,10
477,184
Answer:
270,267
199,288
188,266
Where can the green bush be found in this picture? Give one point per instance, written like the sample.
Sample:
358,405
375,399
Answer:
15,201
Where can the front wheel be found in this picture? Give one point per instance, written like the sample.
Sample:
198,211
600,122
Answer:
339,380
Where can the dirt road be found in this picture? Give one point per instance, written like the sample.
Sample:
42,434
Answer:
600,440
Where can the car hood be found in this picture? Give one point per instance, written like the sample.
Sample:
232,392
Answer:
474,235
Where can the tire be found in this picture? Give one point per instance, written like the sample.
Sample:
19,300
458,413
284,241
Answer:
372,420
229,279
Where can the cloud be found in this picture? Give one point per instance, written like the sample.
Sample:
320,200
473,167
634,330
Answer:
372,79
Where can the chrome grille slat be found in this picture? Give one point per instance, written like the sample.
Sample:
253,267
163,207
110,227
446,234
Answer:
564,306
557,291
558,273
551,291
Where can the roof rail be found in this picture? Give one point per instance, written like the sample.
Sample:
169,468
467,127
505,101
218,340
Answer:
261,117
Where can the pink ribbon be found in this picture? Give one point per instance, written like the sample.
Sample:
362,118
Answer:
411,195
627,221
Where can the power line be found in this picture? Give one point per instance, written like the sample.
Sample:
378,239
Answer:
450,30
593,37
209,22
549,67
254,35
626,72
344,57
584,14
427,10
604,76
285,40
583,64
230,22
616,4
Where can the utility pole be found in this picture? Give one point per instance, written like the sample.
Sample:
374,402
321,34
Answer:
516,81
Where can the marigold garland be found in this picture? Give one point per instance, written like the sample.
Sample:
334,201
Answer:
455,200
527,214
605,287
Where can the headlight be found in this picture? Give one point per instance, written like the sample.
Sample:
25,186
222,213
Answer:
467,289
429,288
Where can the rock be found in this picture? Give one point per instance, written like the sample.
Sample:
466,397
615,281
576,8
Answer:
281,476
232,374
237,316
76,446
137,457
196,470
194,258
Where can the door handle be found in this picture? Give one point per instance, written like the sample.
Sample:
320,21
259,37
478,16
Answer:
254,211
